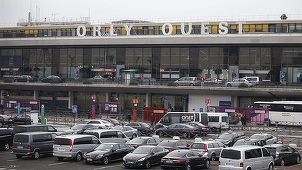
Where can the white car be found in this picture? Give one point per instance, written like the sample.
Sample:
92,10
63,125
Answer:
238,82
100,122
129,131
269,138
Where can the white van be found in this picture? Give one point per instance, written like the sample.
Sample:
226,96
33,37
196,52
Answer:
245,157
214,120
253,79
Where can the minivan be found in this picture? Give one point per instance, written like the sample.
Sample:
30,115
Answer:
33,128
253,79
74,146
33,144
108,135
188,81
245,157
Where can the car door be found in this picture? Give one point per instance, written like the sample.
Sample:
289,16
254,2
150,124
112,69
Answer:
286,154
115,152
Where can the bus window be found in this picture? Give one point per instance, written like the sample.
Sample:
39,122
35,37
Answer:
213,118
225,119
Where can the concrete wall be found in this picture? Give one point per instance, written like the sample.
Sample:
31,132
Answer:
198,101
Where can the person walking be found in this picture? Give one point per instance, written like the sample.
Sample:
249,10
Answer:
152,120
129,118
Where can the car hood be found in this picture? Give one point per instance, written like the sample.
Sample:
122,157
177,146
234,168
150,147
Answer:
97,152
134,157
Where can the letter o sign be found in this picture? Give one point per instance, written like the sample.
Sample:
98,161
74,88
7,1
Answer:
83,28
163,29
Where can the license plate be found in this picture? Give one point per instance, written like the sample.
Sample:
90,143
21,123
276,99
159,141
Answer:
130,162
19,146
169,161
61,149
88,159
229,164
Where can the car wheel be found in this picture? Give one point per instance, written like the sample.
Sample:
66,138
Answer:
188,167
147,164
27,122
78,157
207,164
229,85
6,146
213,157
134,136
1,124
160,133
36,155
271,167
60,158
176,84
19,156
105,160
191,84
297,160
282,163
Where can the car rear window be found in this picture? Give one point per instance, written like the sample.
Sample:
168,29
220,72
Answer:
230,154
62,141
21,138
197,146
166,143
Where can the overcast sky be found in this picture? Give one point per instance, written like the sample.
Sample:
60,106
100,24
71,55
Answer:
12,11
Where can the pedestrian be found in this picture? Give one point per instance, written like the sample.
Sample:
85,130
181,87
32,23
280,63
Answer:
129,118
152,120
243,120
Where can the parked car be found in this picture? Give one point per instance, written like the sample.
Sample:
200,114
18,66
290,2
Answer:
34,128
74,146
78,129
6,120
107,152
229,138
143,128
210,148
188,81
269,138
6,138
202,129
174,144
33,144
144,140
185,159
253,79
24,78
249,141
100,122
245,157
213,81
284,154
129,131
178,129
144,156
239,82
115,122
108,135
22,119
52,79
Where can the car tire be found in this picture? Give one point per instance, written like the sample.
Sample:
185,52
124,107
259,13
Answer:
36,154
271,166
1,124
105,160
78,157
147,164
213,157
207,164
134,136
18,156
188,167
297,160
229,85
282,162
6,146
60,158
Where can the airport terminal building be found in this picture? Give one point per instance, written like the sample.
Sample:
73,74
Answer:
165,51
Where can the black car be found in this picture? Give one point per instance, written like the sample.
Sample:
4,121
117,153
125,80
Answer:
6,120
107,152
178,129
174,144
185,159
6,138
144,156
22,119
78,129
143,128
202,129
52,79
229,138
283,154
249,141
143,140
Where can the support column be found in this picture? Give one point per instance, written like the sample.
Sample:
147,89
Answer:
70,99
1,97
107,96
36,95
148,100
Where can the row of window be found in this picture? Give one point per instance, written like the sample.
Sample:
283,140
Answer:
151,30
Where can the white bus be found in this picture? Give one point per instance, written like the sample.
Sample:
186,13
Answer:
283,112
214,120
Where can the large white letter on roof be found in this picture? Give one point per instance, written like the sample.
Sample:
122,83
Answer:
223,28
182,28
128,28
163,29
81,27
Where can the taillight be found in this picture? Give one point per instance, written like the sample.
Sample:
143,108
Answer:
241,164
28,146
206,148
70,145
219,162
204,128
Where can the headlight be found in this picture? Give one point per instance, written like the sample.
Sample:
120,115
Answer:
124,158
99,156
142,159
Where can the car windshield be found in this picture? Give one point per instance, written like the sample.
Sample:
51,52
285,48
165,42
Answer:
166,143
255,136
142,150
76,127
104,147
226,136
137,140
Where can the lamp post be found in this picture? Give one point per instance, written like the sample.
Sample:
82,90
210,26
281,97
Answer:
135,102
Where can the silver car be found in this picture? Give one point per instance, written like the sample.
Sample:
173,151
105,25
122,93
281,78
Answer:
210,148
239,82
188,81
129,131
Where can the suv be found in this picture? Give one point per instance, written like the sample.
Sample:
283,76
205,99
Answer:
210,148
229,138
6,138
34,128
188,81
108,135
33,144
74,146
245,157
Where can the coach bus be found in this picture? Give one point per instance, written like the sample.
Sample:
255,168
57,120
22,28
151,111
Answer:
283,112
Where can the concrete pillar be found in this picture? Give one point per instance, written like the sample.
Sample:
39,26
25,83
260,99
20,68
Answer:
148,100
107,96
36,95
1,97
70,99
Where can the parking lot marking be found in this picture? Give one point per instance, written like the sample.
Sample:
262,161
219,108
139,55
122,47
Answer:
60,163
105,167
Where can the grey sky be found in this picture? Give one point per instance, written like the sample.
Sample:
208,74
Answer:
12,11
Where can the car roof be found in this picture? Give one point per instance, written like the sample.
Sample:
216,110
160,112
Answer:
207,141
275,145
243,147
34,133
31,125
103,130
74,136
